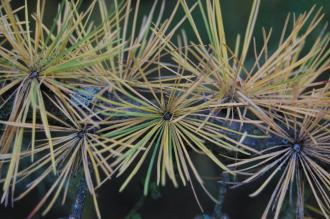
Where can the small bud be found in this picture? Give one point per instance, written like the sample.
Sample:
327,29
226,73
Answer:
167,116
80,134
34,74
296,147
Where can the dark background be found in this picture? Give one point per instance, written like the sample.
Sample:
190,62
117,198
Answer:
169,202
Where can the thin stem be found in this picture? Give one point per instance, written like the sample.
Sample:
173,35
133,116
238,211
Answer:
218,209
136,207
78,205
